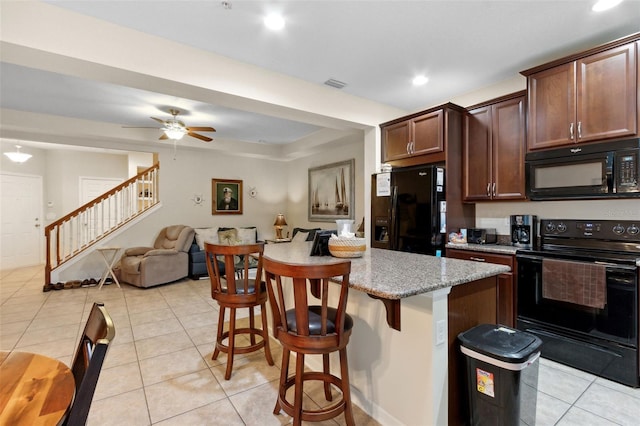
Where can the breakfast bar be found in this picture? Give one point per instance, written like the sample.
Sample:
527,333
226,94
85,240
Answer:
401,375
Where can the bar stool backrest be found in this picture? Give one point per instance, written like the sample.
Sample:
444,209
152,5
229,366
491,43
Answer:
98,333
235,283
311,327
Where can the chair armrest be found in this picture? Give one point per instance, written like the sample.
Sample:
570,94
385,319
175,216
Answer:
137,251
161,252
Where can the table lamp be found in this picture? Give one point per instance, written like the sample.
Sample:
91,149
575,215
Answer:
279,224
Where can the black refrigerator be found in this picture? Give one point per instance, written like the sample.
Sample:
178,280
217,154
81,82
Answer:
408,210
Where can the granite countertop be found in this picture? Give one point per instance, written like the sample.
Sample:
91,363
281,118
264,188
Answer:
392,274
487,248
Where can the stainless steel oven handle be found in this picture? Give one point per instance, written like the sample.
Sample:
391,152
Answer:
528,257
618,266
624,282
611,267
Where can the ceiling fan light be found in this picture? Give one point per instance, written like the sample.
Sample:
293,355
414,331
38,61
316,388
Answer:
175,133
17,156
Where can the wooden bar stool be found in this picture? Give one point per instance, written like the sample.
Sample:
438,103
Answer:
312,329
238,286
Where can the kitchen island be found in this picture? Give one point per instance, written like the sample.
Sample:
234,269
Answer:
402,377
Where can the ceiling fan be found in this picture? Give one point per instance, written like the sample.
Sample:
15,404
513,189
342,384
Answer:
176,129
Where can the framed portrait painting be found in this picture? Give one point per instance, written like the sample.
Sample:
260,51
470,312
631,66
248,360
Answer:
332,192
226,196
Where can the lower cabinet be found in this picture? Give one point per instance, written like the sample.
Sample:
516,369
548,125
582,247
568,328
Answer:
505,303
470,304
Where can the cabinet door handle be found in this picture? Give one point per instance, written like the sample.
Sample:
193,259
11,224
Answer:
408,148
493,191
489,189
571,131
477,259
413,147
579,129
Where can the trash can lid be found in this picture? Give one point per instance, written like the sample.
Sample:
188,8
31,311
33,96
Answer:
500,342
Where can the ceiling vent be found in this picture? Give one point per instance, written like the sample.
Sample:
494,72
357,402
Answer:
335,83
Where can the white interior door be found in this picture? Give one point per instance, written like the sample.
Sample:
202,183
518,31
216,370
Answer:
21,229
101,219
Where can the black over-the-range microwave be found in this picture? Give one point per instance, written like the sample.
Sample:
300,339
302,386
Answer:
600,170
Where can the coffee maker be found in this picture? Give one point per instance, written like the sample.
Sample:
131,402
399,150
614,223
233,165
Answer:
524,230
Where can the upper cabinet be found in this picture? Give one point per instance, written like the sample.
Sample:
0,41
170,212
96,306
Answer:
584,98
418,138
493,150
428,137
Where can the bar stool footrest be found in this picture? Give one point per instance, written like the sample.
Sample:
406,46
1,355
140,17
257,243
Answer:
222,347
322,414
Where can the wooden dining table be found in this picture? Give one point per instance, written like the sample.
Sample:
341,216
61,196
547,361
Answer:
34,389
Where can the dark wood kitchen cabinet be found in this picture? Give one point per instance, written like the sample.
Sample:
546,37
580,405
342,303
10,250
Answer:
506,291
416,136
586,97
494,148
419,138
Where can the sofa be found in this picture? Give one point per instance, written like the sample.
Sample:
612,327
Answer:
304,234
215,235
165,262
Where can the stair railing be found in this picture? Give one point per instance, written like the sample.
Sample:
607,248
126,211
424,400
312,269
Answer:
72,234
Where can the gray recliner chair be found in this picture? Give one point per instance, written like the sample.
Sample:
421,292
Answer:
166,261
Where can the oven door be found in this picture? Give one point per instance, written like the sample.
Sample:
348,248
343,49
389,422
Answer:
616,322
601,341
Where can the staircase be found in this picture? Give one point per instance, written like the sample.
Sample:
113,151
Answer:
74,233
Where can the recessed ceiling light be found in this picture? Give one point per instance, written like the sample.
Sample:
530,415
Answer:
602,5
274,22
420,80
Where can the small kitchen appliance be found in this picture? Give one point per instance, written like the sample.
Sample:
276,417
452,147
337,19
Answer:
524,230
601,170
481,235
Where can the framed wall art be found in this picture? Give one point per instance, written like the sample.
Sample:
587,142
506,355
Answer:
226,196
332,192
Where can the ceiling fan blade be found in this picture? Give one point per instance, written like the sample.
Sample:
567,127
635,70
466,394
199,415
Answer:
164,136
157,119
201,129
197,136
139,127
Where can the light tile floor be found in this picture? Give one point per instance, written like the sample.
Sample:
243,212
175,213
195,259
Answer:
159,368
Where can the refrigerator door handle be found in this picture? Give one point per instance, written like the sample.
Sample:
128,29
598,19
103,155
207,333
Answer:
393,218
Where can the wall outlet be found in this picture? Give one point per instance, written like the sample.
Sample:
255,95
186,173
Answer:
440,332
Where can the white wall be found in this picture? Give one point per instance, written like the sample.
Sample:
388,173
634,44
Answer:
281,188
185,174
62,176
297,181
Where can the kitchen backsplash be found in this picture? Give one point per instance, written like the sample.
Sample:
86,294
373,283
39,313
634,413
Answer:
496,214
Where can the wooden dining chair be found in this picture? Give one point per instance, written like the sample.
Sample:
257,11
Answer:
98,333
310,329
239,285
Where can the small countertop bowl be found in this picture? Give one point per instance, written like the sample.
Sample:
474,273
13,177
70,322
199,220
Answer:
347,247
